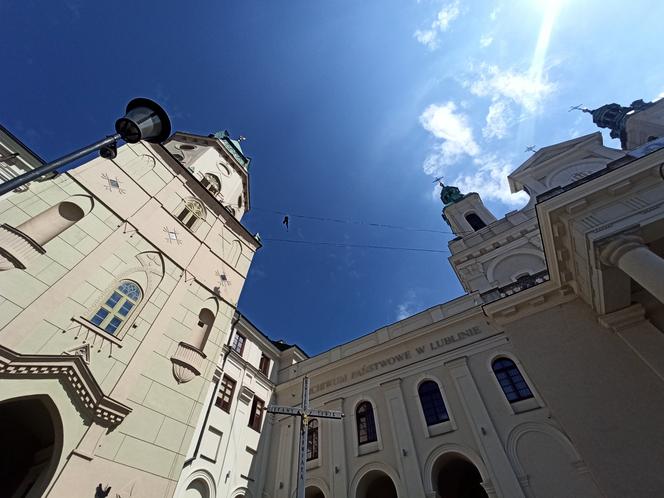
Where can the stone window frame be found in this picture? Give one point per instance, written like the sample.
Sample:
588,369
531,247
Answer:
113,312
373,446
211,180
516,407
265,364
314,438
252,423
222,390
442,427
235,340
147,276
478,217
184,214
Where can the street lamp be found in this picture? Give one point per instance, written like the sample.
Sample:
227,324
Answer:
144,119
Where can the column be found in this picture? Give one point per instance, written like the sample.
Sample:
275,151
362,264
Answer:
491,449
631,255
409,467
335,440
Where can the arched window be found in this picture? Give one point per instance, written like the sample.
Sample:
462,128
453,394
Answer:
212,183
511,381
475,221
312,440
191,213
366,425
118,306
433,405
239,202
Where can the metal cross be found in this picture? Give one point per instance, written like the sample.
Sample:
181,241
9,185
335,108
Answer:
304,413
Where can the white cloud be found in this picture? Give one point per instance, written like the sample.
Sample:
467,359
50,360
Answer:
428,38
446,15
498,120
494,13
408,307
490,181
443,121
660,96
486,40
444,18
523,88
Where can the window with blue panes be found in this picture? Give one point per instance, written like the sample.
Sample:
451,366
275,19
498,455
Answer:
511,381
119,305
432,402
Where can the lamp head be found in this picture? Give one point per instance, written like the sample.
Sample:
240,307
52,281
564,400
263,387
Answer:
144,119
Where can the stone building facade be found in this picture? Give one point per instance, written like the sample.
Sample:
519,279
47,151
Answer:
15,157
125,363
544,380
118,287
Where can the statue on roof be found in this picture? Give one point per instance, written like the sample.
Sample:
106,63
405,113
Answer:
450,194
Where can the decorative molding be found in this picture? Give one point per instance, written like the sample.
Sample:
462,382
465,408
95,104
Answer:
74,373
611,253
187,362
83,351
624,318
245,395
17,249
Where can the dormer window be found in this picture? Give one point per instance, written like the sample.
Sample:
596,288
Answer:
211,183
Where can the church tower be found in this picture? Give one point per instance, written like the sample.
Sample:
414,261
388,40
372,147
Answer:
464,213
217,161
634,125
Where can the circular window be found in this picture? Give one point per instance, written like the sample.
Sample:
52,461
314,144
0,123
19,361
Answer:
187,147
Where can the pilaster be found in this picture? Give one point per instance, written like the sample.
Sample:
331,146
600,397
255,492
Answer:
335,441
409,467
498,465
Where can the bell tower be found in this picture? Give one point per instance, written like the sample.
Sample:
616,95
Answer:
218,163
464,213
635,125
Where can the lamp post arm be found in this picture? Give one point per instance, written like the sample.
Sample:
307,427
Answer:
20,180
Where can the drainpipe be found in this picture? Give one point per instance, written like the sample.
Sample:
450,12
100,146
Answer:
189,461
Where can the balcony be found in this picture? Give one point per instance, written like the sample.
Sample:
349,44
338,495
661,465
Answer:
16,248
187,362
521,284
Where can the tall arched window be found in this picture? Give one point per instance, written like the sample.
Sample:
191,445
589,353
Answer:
212,183
432,402
118,307
366,425
312,440
192,212
475,221
511,381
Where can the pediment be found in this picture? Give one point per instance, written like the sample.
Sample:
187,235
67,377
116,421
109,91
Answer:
585,154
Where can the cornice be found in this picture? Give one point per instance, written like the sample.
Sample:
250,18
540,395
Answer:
74,373
528,302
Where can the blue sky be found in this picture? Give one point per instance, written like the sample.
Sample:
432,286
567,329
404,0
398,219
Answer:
350,109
